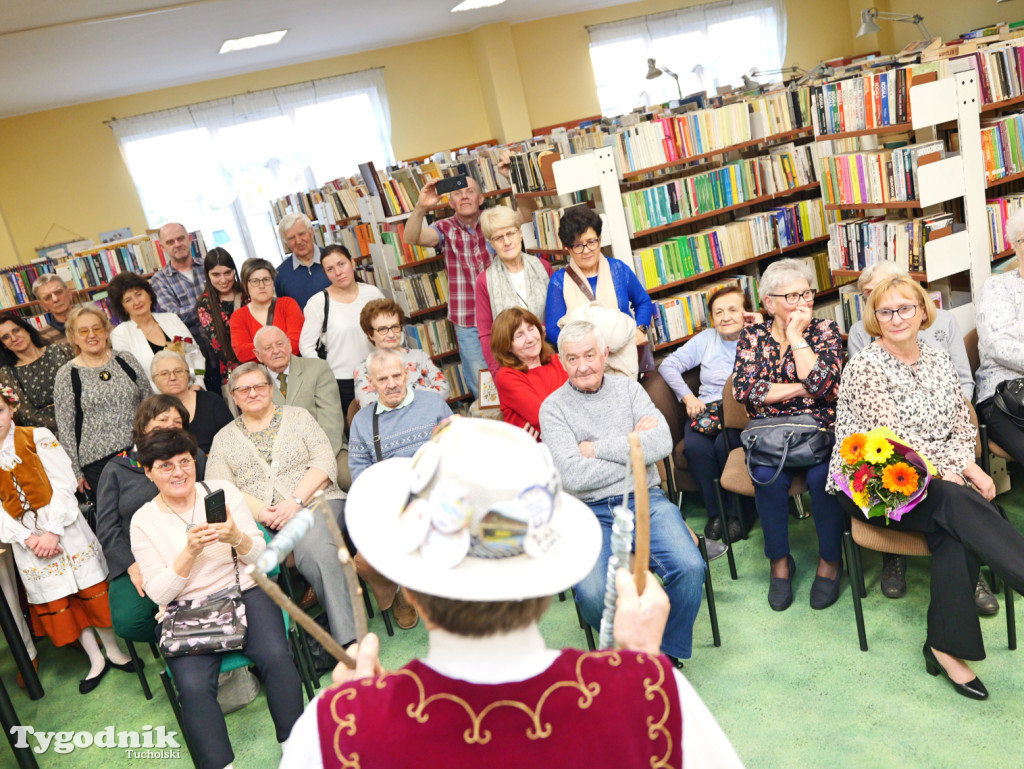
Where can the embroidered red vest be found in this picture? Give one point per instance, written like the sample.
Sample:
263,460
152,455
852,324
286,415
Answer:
616,709
30,474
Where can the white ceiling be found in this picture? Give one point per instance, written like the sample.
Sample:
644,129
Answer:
55,53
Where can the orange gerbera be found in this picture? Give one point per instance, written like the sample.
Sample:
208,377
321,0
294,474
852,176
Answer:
852,450
901,478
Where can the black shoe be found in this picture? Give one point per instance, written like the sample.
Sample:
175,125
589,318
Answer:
735,530
715,549
127,667
974,689
713,528
675,661
86,685
987,603
894,575
825,591
780,591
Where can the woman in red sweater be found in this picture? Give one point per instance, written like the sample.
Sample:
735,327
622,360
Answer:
529,368
262,307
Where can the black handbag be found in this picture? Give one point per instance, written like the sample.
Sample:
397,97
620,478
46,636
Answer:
780,442
709,421
1009,398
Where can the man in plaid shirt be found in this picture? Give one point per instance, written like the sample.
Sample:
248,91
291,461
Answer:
179,284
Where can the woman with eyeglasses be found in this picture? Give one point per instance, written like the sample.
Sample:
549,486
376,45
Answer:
382,320
262,308
913,388
28,365
786,366
514,279
207,413
592,277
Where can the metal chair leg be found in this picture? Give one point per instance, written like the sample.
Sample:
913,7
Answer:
857,578
561,596
1011,621
725,532
156,651
709,591
138,669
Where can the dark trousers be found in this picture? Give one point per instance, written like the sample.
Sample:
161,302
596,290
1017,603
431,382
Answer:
347,390
705,458
773,508
196,679
92,472
963,531
1002,430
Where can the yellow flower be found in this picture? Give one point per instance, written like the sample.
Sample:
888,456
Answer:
852,450
877,450
861,499
901,478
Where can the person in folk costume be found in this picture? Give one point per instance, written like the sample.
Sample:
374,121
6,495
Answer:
481,546
58,557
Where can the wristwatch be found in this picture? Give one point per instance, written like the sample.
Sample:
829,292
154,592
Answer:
800,346
298,501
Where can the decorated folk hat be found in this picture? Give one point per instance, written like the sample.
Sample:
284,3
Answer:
478,514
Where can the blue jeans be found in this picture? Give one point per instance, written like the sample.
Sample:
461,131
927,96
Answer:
705,458
472,356
674,558
773,508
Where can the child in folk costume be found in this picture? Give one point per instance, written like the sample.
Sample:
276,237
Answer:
58,557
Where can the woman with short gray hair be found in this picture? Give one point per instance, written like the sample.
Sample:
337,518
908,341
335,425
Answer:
207,412
786,366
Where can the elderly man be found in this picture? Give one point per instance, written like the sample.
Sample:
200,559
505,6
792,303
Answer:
301,276
179,284
490,693
585,424
56,298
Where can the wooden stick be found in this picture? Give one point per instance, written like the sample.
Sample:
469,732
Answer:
355,591
308,624
642,504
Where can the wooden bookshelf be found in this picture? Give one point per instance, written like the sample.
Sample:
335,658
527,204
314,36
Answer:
736,207
921,277
443,355
995,106
428,310
674,342
1004,180
892,204
460,398
896,128
1003,254
537,194
431,260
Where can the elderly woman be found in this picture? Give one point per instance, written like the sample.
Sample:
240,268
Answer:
207,413
514,279
281,456
95,395
529,369
142,332
913,388
182,557
123,489
215,306
262,308
592,277
340,334
786,366
29,366
704,443
382,321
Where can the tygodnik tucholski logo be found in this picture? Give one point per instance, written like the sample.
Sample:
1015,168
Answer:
149,743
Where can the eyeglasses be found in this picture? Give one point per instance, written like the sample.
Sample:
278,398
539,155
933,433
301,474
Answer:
906,312
388,329
87,332
590,245
793,297
174,372
244,390
166,468
506,237
11,334
261,281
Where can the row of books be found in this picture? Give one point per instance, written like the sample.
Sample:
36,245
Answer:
790,224
99,266
545,228
356,238
876,176
855,243
16,282
819,263
393,233
999,210
1002,143
686,313
435,337
529,170
873,100
457,386
421,292
333,204
395,199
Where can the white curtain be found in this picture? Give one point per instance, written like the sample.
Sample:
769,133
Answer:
217,165
707,46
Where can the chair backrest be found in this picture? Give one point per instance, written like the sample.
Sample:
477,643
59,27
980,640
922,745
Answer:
664,400
353,407
971,343
978,448
734,414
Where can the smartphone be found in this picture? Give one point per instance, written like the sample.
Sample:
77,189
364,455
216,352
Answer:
216,507
451,183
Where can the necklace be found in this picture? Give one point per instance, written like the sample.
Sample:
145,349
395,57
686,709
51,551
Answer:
189,525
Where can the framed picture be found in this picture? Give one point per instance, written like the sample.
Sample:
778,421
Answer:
488,391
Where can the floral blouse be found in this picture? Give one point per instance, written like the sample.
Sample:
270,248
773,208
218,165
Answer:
922,403
205,313
759,366
263,440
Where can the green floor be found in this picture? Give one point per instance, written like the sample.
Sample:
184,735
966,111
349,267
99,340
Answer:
790,689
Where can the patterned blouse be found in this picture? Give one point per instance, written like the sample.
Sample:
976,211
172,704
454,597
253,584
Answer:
758,367
263,439
922,403
206,322
34,385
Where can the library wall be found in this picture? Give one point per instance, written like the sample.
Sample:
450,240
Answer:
501,83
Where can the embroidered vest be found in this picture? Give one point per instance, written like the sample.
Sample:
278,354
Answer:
619,709
26,486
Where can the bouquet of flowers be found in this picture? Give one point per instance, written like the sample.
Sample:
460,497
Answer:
882,475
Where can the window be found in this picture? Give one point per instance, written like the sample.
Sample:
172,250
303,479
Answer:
707,46
216,166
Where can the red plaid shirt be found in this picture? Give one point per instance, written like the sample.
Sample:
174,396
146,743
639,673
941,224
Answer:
465,257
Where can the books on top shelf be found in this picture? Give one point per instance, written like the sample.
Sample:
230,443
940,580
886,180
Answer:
999,210
332,204
421,292
876,176
855,243
16,282
434,337
1002,144
530,170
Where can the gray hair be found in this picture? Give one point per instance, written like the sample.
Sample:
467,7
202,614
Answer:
164,355
290,220
47,278
380,355
784,271
1015,226
576,331
248,368
264,330
880,269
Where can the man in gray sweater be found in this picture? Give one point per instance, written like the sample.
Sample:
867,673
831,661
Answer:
585,424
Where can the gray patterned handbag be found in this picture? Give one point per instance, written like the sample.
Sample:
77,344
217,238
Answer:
209,625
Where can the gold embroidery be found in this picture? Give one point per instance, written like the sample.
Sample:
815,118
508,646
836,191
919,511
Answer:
654,728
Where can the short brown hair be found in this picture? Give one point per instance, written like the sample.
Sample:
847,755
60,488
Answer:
377,307
478,619
503,331
889,285
249,266
152,407
160,445
732,288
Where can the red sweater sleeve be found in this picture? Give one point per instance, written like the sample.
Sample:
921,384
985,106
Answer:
484,320
242,323
288,317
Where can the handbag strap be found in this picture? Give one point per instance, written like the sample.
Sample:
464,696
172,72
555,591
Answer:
234,555
327,311
581,284
270,312
778,470
376,434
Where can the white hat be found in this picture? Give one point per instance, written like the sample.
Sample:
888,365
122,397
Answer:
478,514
